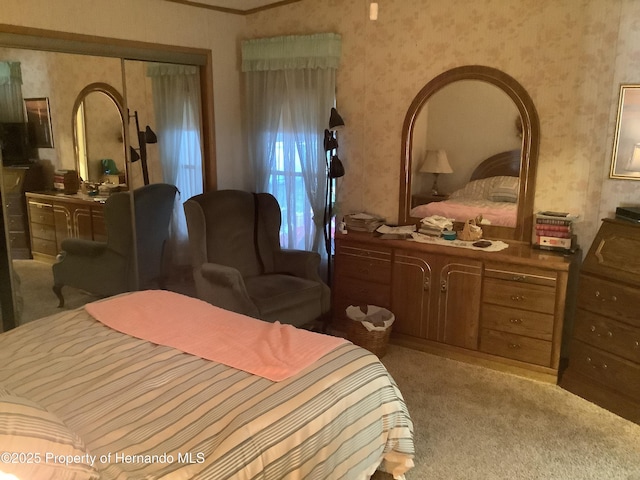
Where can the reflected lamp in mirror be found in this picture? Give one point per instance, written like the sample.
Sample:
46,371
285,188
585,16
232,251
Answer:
435,162
635,158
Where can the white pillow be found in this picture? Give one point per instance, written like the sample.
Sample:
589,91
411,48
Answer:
474,190
504,190
31,435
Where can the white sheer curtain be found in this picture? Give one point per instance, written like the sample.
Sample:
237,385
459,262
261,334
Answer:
176,101
11,107
290,84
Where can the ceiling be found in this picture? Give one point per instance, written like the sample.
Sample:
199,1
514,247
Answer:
234,5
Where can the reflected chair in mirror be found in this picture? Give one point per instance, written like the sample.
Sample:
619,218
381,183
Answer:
238,263
107,268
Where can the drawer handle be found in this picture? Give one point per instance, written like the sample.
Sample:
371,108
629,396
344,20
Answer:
637,344
599,295
593,365
609,334
514,346
519,278
517,321
517,298
426,285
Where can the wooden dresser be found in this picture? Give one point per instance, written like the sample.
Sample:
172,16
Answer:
55,216
504,310
604,356
17,180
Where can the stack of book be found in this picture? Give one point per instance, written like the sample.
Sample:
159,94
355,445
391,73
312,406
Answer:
362,222
554,231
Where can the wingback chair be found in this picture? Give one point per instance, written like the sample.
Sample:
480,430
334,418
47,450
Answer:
238,264
107,268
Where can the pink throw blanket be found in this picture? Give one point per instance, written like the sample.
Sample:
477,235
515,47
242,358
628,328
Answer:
270,350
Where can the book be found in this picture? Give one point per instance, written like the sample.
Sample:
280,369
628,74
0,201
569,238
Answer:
553,233
551,226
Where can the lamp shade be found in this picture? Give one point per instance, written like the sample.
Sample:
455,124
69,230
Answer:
150,135
336,168
330,142
335,120
134,155
435,161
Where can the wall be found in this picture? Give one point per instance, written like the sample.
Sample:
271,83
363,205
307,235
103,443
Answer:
570,55
168,23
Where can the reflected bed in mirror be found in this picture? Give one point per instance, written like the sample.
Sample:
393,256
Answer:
491,193
98,132
453,111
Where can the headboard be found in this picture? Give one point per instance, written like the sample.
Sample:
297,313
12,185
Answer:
500,164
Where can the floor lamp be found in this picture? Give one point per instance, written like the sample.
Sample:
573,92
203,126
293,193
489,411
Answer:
144,137
335,169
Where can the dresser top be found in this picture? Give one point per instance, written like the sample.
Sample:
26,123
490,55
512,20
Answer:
519,253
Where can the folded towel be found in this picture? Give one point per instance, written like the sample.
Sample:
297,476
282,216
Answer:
270,350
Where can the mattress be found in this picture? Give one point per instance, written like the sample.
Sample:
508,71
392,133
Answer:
143,410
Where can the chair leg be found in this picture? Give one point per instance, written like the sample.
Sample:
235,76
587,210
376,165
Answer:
57,289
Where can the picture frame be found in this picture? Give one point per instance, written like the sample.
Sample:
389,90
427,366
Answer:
39,122
625,161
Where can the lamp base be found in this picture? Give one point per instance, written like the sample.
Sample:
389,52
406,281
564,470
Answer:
434,187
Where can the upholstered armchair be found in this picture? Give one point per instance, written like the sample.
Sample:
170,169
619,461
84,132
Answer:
238,264
107,268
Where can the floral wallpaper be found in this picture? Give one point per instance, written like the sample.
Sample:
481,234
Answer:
570,55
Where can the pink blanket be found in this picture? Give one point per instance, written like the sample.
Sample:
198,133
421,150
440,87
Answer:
270,350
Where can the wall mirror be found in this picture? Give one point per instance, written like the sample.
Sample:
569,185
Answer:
64,68
98,135
489,125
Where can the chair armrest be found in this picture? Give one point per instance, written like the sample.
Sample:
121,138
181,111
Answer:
224,287
222,276
300,263
85,248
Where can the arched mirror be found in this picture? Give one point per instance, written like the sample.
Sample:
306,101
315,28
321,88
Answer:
479,128
98,134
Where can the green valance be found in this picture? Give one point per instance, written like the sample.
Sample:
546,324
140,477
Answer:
292,52
10,73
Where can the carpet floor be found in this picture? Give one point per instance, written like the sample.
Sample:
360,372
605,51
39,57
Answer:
472,423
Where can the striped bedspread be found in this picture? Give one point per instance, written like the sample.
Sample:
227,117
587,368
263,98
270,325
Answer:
149,411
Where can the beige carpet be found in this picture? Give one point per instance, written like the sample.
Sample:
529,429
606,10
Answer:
35,296
472,423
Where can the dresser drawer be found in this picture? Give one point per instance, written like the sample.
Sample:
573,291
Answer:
516,347
41,213
16,223
43,231
46,247
607,334
613,300
607,369
18,240
364,264
534,297
520,322
531,275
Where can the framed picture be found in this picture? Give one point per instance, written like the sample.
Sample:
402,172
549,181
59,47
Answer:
39,122
625,163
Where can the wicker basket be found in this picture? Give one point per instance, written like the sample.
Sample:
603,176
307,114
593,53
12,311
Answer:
375,341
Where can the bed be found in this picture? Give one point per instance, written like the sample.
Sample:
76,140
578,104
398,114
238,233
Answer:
492,192
81,399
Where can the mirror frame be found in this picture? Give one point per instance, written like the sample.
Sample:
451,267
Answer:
530,146
117,99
